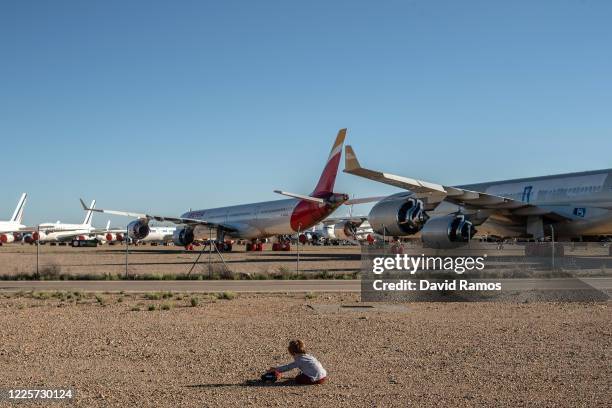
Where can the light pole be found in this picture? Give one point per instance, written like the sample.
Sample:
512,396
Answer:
298,250
37,251
127,243
552,238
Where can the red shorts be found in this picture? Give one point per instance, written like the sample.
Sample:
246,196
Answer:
306,380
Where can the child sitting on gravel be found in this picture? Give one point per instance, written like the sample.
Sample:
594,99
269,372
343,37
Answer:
311,371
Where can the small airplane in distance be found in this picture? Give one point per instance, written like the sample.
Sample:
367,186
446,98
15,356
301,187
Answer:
254,221
160,235
13,229
336,229
570,206
63,232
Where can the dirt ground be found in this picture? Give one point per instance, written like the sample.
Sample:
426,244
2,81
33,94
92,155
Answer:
421,354
145,259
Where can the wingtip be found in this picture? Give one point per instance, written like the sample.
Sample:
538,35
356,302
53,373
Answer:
350,159
340,138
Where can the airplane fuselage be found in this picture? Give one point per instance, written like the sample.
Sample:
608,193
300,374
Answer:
585,199
159,234
9,226
58,232
265,219
7,231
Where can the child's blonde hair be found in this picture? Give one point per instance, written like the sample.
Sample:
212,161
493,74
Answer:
297,347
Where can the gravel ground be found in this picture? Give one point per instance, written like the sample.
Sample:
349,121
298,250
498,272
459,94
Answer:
426,354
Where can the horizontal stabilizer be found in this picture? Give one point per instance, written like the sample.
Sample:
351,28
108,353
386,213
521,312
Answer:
301,197
364,200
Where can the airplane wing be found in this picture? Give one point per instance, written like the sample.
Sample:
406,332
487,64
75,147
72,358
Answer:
100,231
357,219
432,193
363,200
174,220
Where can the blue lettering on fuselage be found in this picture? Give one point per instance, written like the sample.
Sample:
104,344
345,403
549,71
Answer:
527,194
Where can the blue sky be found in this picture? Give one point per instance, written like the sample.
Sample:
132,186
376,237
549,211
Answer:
163,106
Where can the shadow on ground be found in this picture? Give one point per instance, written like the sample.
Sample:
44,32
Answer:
249,383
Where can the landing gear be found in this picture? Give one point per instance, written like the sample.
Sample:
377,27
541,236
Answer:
225,246
254,246
282,244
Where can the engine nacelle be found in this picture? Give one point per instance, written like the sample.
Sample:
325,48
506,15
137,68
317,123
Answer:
138,229
398,216
344,230
33,237
449,231
7,238
183,236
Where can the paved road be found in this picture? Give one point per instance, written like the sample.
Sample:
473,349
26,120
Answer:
263,286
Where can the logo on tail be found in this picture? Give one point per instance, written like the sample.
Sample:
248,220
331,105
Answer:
325,186
18,213
89,213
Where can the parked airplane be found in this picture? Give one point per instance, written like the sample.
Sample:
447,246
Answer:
337,229
62,232
159,235
12,229
107,235
254,221
572,206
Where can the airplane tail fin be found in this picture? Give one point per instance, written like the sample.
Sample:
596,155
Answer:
327,180
89,213
18,213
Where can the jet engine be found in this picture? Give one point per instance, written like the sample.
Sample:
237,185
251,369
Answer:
33,237
183,236
7,238
398,216
343,230
113,236
138,229
449,231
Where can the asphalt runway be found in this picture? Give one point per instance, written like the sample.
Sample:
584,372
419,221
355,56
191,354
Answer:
269,286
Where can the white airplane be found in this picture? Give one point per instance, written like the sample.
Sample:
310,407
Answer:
159,235
108,234
111,236
353,229
62,232
258,220
11,230
570,206
337,229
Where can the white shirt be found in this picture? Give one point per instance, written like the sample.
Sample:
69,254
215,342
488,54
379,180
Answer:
308,364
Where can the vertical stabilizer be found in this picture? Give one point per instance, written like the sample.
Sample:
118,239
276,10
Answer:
89,214
18,213
325,186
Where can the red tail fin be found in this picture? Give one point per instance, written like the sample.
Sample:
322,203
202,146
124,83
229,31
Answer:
325,186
